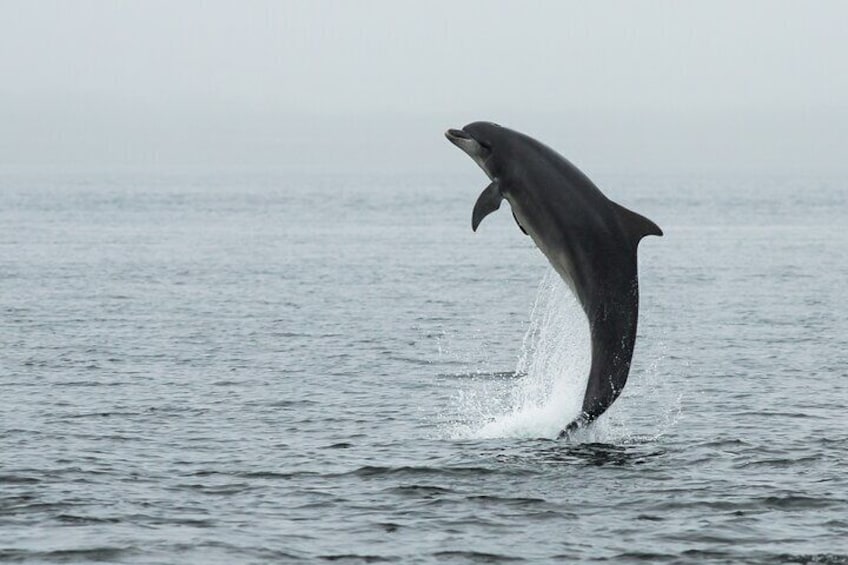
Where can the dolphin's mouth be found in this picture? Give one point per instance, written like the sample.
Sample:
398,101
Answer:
456,134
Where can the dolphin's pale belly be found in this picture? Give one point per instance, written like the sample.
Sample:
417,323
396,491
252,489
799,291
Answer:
556,254
563,265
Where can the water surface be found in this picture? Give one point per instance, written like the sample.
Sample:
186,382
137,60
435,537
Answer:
270,367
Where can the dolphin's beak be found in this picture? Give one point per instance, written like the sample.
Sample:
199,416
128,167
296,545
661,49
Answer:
455,135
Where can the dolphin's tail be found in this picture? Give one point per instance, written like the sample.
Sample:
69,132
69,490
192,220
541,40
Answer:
579,422
613,317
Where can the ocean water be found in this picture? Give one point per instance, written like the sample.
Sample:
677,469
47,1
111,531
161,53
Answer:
252,368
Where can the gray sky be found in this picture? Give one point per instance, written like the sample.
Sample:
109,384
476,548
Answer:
615,86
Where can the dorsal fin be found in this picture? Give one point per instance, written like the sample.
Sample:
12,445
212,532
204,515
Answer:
637,225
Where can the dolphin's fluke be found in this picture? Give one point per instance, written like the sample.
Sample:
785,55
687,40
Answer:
488,202
573,426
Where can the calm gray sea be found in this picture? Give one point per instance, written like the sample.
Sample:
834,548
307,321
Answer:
252,368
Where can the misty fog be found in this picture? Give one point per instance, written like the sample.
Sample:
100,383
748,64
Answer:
341,86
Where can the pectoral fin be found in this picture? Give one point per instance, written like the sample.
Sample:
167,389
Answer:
488,202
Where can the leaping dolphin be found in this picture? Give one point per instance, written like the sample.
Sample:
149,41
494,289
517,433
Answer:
590,240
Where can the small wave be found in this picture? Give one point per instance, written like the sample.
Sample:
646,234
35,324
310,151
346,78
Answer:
599,454
797,502
92,383
645,556
341,445
755,504
109,554
476,556
689,555
411,472
276,475
778,462
285,403
419,491
355,557
18,480
726,443
86,520
650,518
815,559
506,499
221,490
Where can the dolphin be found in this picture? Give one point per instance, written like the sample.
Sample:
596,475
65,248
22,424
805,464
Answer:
589,240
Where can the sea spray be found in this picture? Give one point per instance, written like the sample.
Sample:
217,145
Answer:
545,392
551,372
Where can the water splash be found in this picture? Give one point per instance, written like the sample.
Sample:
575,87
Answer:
554,364
545,392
